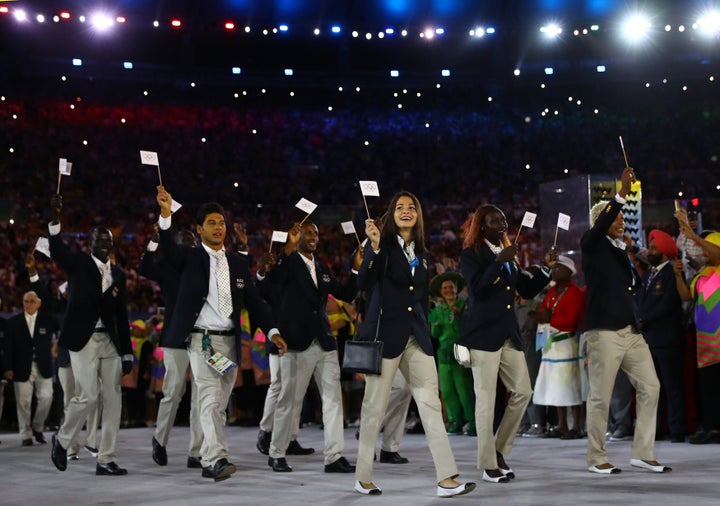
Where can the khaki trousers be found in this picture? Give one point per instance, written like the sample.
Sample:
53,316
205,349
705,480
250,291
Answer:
296,369
510,364
420,373
70,390
43,388
273,392
177,361
608,351
97,368
396,413
213,394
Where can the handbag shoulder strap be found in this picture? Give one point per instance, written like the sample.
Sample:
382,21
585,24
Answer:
377,327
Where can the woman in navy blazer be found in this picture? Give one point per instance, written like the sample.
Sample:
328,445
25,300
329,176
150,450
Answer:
490,329
394,274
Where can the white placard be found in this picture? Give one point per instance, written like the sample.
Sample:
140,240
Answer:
149,158
563,221
43,246
369,188
529,219
64,167
174,206
348,227
278,236
305,205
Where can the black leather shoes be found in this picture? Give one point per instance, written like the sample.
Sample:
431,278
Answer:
27,442
279,465
341,465
294,448
263,442
40,437
58,454
221,470
159,453
194,462
109,469
392,458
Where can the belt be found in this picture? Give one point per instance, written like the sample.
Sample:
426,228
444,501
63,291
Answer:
213,332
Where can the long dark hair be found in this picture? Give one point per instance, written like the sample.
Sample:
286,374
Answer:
473,227
389,232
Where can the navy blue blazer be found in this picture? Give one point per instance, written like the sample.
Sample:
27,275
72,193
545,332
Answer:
489,319
87,302
611,279
302,314
661,310
168,278
57,307
20,347
397,299
193,267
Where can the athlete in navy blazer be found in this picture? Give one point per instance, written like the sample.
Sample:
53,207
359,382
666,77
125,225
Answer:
22,349
612,337
97,333
394,274
28,363
208,320
303,284
490,329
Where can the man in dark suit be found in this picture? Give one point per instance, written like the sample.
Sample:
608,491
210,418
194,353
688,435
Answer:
661,324
28,363
214,286
176,360
97,334
304,285
612,336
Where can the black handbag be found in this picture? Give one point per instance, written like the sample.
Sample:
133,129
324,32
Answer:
364,356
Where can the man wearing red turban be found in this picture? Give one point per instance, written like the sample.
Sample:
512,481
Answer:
661,325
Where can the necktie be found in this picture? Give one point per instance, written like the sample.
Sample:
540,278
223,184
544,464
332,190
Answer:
222,278
651,277
313,274
105,277
31,324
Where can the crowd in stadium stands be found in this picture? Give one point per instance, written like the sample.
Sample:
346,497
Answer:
260,162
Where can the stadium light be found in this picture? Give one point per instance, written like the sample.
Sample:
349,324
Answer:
335,29
394,73
636,27
101,22
549,71
551,30
128,65
20,15
709,23
600,68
